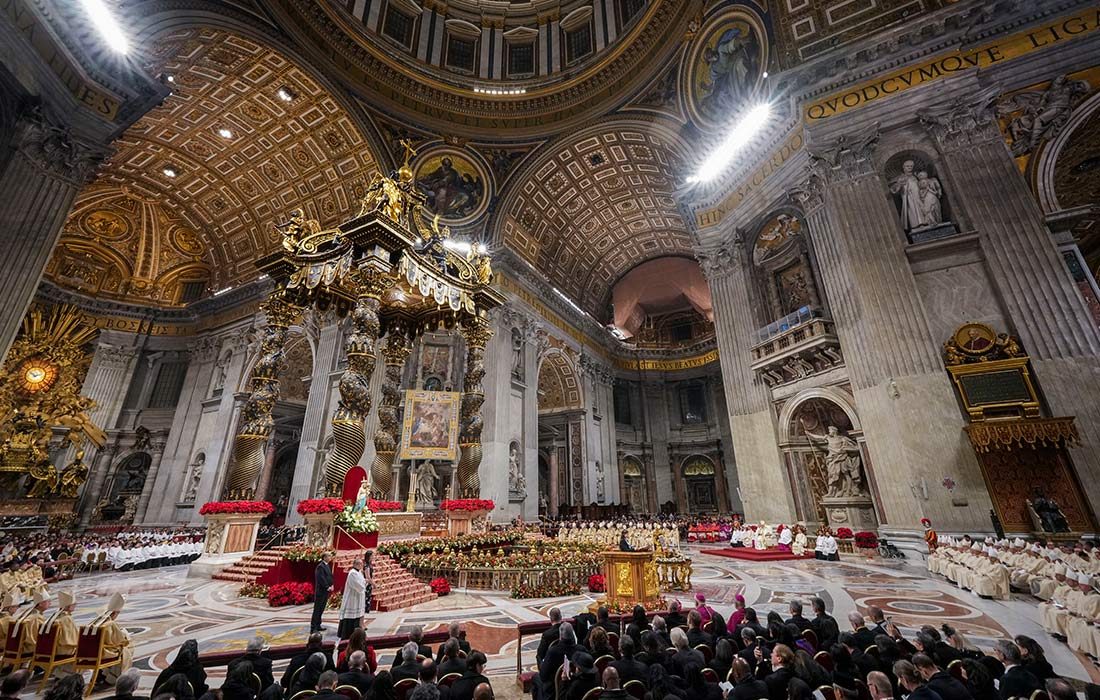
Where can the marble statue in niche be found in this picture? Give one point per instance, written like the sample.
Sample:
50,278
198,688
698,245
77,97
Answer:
517,355
918,195
426,476
842,462
194,478
517,480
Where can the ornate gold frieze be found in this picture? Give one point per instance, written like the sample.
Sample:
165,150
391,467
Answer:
1026,433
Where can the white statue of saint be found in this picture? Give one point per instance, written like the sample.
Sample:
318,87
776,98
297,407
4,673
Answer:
930,192
517,481
841,462
425,485
361,496
906,187
196,477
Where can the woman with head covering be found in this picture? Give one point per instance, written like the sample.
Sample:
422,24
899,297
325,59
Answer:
187,663
178,687
240,683
382,687
311,672
68,688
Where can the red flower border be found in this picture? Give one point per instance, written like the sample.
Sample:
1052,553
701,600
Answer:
866,540
234,507
471,504
314,506
843,533
384,506
597,583
290,593
440,586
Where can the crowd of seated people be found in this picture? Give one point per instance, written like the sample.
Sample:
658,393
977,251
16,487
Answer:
704,656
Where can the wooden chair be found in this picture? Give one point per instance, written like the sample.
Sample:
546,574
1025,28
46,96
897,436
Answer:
462,654
45,655
593,694
706,651
403,687
825,660
1040,694
811,637
448,679
602,662
828,691
955,668
303,694
294,677
349,691
708,626
91,655
14,656
257,684
873,652
614,640
709,675
635,688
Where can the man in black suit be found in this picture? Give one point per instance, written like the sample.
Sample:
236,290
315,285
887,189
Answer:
357,674
326,687
464,688
796,618
416,636
409,667
696,635
555,657
824,625
611,688
674,618
322,586
261,665
863,661
313,645
745,685
749,643
549,636
939,680
863,636
455,632
429,676
603,620
451,662
660,630
1017,682
781,663
583,676
878,621
627,667
684,654
912,681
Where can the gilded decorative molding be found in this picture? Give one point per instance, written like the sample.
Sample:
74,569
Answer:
1023,433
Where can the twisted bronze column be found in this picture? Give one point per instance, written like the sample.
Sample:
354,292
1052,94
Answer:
394,355
256,422
477,333
348,435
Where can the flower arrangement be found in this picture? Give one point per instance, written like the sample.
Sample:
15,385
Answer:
460,543
231,507
843,533
550,555
383,506
866,540
467,504
363,521
597,583
290,594
440,586
314,506
335,600
626,608
301,552
545,590
253,590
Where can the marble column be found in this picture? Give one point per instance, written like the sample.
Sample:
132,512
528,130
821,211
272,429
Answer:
554,497
1033,284
654,395
156,449
100,466
906,404
316,417
38,183
265,474
765,489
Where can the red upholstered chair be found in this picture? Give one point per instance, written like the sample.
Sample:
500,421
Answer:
811,637
349,691
825,660
828,691
635,688
614,640
92,656
955,668
403,687
45,655
448,679
303,694
602,662
706,651
14,656
709,675
593,694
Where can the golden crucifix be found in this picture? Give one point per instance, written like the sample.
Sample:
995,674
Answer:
409,150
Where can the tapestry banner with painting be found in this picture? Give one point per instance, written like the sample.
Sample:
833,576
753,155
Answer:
430,425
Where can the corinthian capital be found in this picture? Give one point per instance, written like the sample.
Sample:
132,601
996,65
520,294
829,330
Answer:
52,149
964,123
810,193
114,356
720,260
845,158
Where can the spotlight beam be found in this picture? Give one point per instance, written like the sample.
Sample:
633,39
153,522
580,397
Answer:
739,136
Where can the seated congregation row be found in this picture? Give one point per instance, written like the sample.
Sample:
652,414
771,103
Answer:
694,657
454,672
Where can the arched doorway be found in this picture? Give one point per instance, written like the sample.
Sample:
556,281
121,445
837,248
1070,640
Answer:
125,490
698,472
561,430
634,483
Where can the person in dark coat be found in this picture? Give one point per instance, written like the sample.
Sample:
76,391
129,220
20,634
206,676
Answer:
298,661
357,675
912,681
695,633
261,665
583,676
675,618
864,637
723,659
781,664
455,632
451,662
684,654
749,643
409,666
978,680
945,685
549,636
322,586
555,657
463,688
326,687
1017,682
796,618
187,663
745,685
1035,660
627,667
824,625
311,673
239,684
612,688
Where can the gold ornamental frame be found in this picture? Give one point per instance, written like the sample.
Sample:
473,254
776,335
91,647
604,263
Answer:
448,448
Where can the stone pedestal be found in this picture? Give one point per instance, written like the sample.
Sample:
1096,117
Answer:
467,522
320,528
854,512
230,537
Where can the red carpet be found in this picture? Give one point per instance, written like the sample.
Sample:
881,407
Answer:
750,554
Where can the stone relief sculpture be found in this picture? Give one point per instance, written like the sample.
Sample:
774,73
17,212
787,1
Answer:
517,355
220,371
1037,115
842,461
600,483
517,481
192,488
426,476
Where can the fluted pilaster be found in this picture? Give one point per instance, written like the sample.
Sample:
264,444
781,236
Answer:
156,447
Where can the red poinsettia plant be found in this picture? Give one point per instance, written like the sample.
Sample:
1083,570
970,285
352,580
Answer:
233,507
290,593
597,583
314,506
471,504
383,506
866,540
844,533
440,586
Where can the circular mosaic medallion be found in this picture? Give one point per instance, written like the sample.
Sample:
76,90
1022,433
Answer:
106,225
456,185
188,241
725,67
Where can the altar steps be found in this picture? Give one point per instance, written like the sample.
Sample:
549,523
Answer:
253,566
394,587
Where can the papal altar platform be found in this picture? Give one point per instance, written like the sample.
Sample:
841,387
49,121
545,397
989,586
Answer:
752,554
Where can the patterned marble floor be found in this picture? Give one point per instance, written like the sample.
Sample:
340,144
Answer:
165,608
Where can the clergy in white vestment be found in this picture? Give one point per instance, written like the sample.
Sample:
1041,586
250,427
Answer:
353,605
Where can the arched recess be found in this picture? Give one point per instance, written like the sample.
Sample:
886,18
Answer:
560,387
590,205
700,488
127,481
784,267
812,412
561,412
635,485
